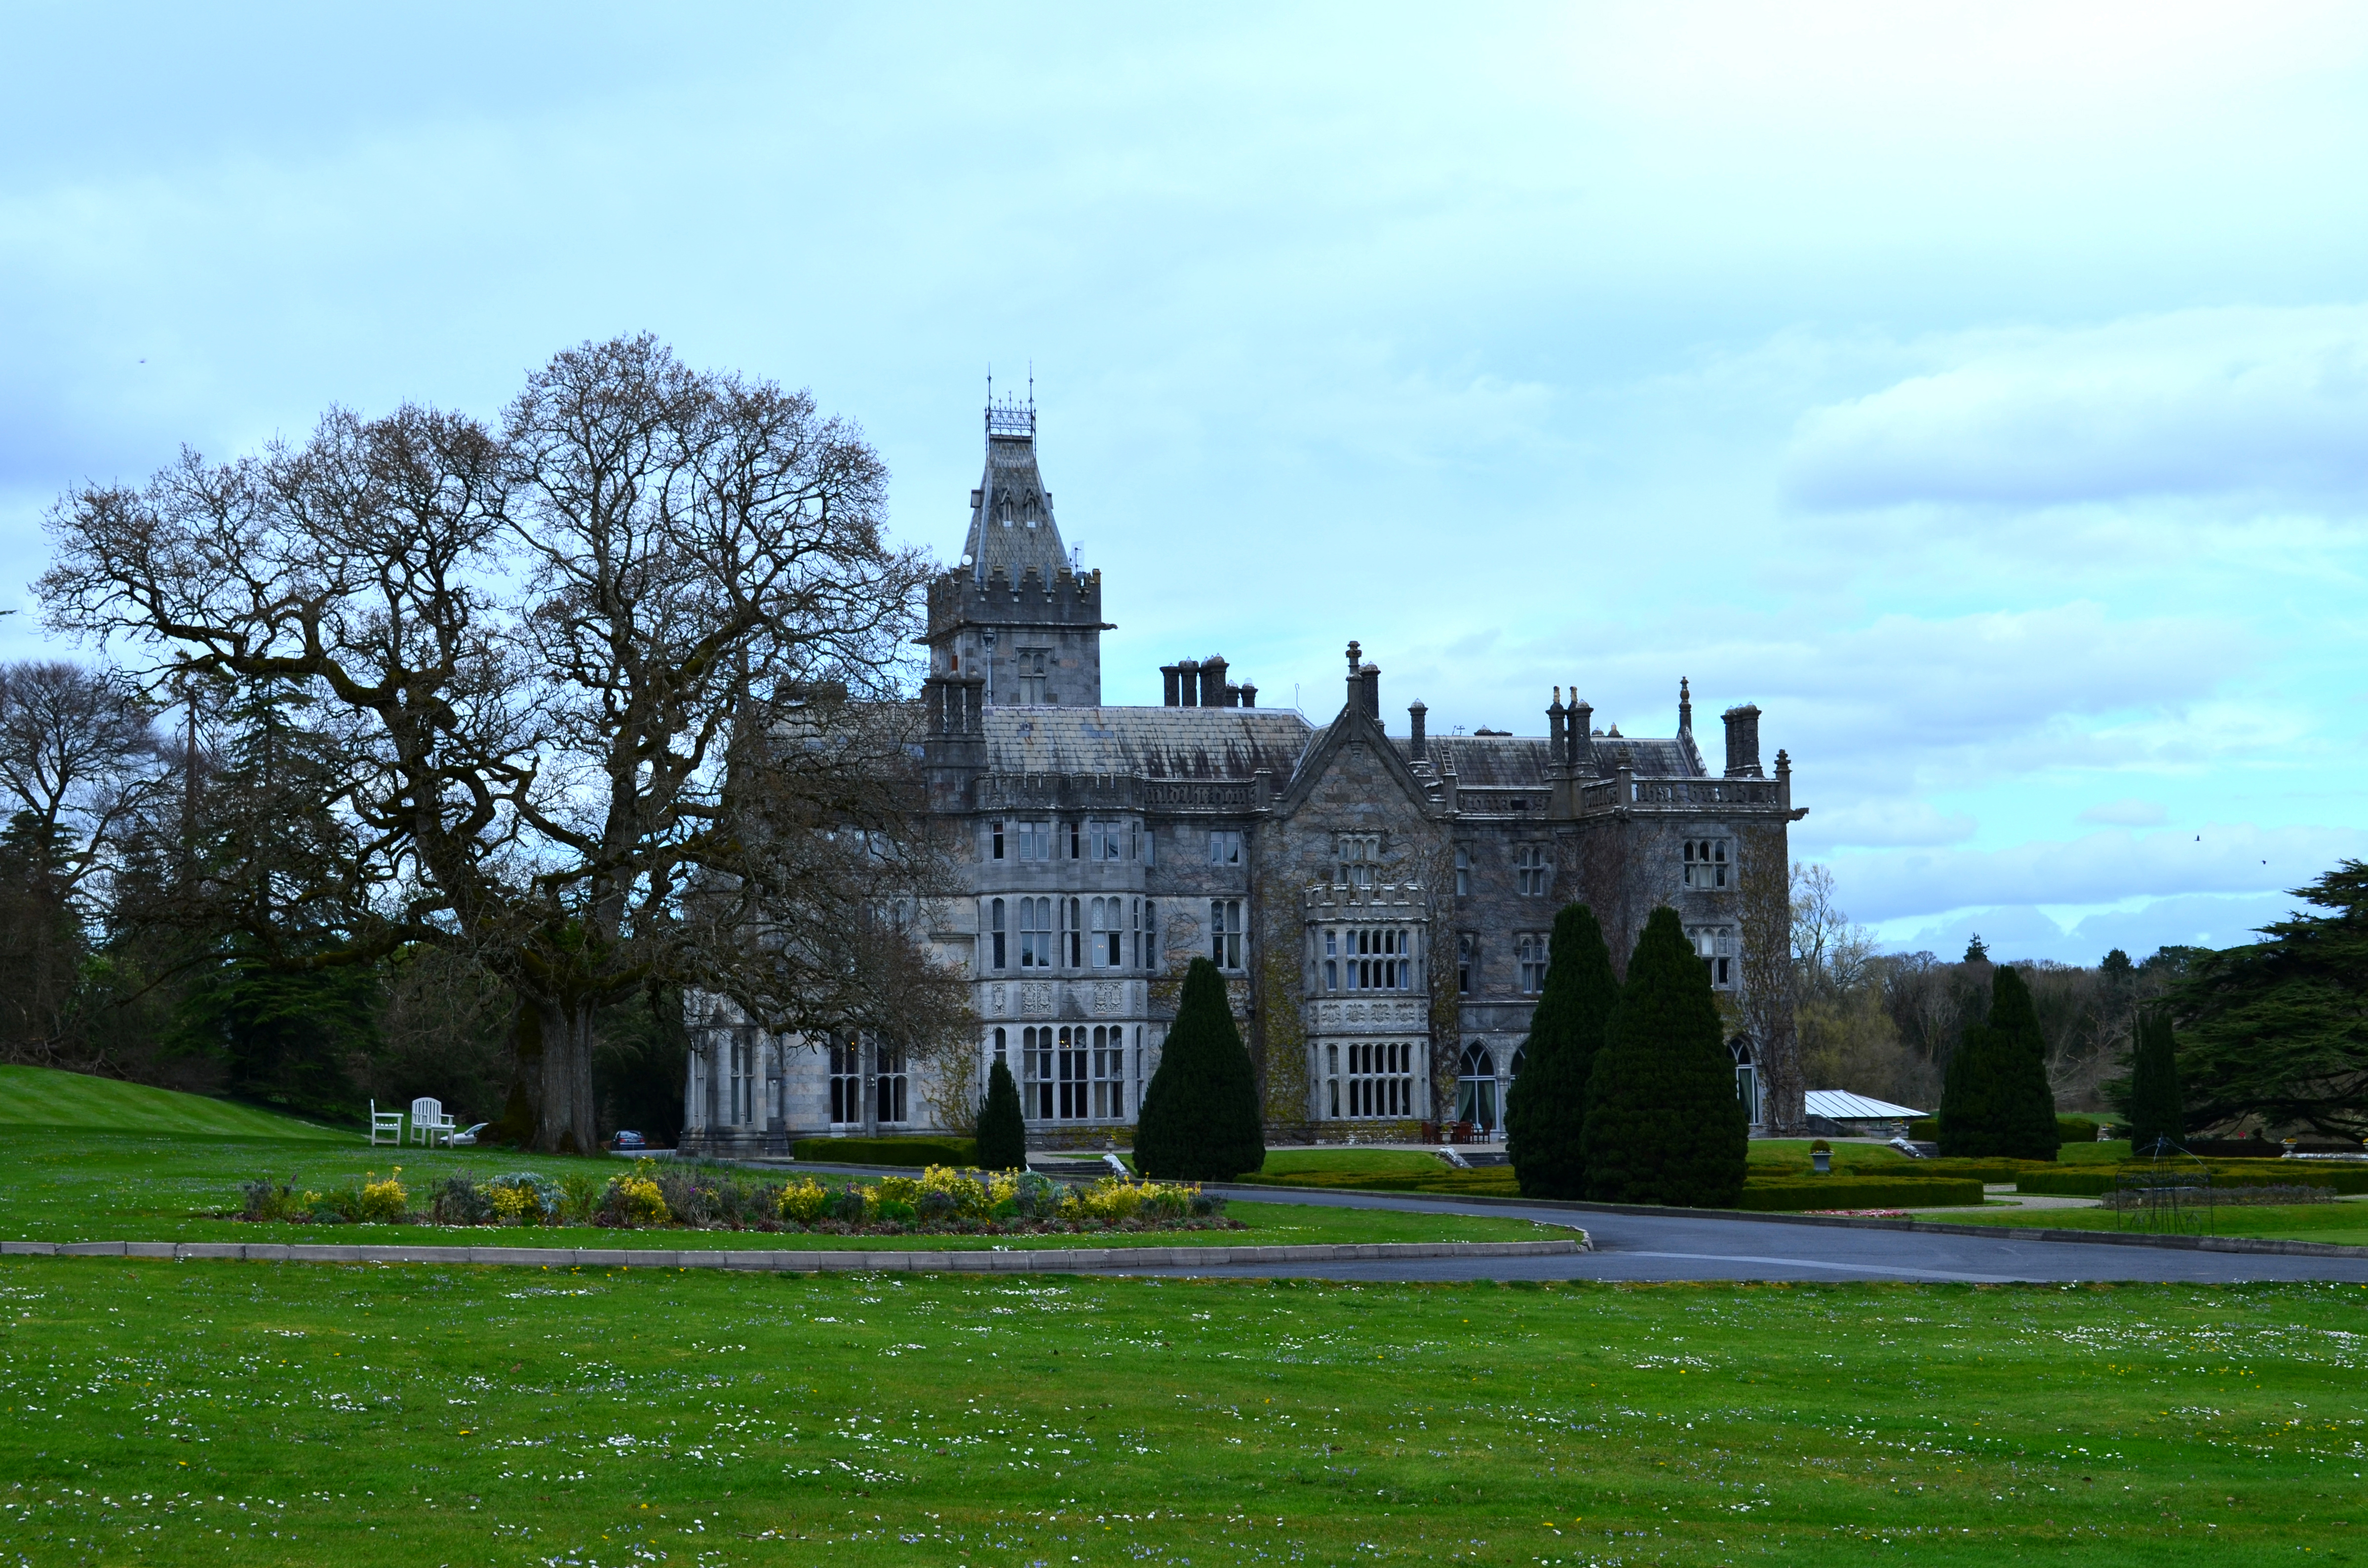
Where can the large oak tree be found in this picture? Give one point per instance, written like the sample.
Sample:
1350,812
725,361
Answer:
618,688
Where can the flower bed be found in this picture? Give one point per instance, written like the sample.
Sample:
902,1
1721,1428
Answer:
940,1202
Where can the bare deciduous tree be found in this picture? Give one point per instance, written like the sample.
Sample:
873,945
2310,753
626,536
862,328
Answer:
620,688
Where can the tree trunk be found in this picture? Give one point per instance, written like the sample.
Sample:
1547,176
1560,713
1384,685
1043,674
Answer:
563,1119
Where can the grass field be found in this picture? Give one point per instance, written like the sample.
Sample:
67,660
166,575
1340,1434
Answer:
229,1414
40,1097
72,1186
2343,1222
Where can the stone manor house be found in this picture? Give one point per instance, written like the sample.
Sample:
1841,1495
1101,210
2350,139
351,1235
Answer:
1378,897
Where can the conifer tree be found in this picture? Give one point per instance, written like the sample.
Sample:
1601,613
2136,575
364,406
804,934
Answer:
1199,1118
1002,1130
1545,1110
1996,1101
1664,1124
2157,1111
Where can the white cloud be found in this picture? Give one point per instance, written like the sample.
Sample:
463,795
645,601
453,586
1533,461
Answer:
2098,869
2015,933
2126,814
2190,403
1882,822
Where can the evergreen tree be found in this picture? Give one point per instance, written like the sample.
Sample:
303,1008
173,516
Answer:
2155,1110
1664,1124
1996,1102
1545,1110
1002,1131
1199,1118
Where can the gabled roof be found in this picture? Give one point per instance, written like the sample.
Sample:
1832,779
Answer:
1352,724
1148,742
1012,525
1520,762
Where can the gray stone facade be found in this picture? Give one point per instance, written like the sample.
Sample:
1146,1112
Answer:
1378,902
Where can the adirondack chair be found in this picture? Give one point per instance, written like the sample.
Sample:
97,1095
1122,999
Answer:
389,1122
428,1120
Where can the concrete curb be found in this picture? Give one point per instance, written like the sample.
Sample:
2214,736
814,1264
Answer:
1929,1227
1031,1260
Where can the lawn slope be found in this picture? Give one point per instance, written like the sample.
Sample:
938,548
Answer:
42,1096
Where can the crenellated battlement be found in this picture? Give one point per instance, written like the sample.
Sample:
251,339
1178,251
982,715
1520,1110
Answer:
958,598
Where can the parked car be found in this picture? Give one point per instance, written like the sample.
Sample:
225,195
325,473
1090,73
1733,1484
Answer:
624,1139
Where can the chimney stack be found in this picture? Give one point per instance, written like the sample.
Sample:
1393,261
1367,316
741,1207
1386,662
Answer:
1743,741
1370,679
1168,684
1250,694
1685,708
1558,738
1212,681
1580,720
1416,714
1188,675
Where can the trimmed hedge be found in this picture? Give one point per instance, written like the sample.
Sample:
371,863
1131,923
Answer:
1848,1192
2068,1129
2096,1182
955,1152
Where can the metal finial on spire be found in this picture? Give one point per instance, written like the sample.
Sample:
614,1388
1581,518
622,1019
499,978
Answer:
1354,653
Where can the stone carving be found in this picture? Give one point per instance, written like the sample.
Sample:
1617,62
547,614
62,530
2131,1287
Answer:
1108,997
1036,996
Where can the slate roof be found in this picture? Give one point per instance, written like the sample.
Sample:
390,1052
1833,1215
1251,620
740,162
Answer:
1011,527
1518,762
1150,743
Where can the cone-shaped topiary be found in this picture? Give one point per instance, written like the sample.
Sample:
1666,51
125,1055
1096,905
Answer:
1199,1118
2157,1110
1545,1110
1002,1131
1664,1124
1996,1102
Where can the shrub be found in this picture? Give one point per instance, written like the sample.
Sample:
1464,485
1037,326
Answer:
1545,1110
579,1195
1664,1124
1994,1100
806,1202
525,1197
846,1205
634,1199
1037,1197
2076,1130
894,1211
1855,1192
384,1202
914,1152
268,1200
2158,1109
1002,1130
965,1195
1199,1118
1821,1147
458,1200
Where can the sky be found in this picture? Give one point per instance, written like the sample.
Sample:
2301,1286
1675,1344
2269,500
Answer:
1980,390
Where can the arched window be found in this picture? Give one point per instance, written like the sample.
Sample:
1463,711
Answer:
1476,1087
846,1080
1747,1079
1521,1056
890,1081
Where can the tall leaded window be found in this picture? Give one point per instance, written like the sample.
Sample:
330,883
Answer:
994,841
1707,863
1380,1079
1468,959
1463,874
1530,870
1036,1051
1147,945
740,1077
888,1085
1108,943
1225,932
1110,1070
846,1080
1476,1087
1075,930
1035,933
1359,858
1034,675
995,918
1529,961
1106,841
1331,960
1376,959
1225,848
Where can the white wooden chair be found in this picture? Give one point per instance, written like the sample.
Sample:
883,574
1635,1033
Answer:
428,1121
387,1122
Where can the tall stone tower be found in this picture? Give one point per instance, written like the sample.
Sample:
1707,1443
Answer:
1016,614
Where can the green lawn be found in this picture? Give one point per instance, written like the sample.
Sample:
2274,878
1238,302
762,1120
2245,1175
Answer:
61,1187
1379,1170
234,1414
41,1097
2344,1222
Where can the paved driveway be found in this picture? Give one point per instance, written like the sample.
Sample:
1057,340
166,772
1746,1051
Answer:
1660,1246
